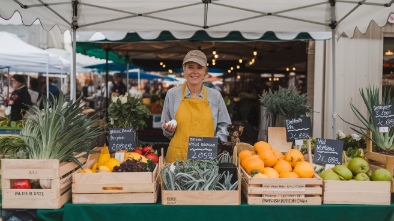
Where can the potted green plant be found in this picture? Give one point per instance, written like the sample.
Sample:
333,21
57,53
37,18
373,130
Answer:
126,111
284,103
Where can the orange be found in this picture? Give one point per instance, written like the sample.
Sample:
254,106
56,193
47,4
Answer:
244,154
270,161
270,172
304,169
286,174
261,145
283,166
278,154
294,156
248,159
260,175
253,165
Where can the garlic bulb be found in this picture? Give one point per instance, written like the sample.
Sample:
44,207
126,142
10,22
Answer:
45,183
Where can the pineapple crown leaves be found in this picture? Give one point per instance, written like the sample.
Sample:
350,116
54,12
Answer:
58,130
128,111
371,98
286,101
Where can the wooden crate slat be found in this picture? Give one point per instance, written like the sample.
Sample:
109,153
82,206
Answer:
306,191
285,201
125,187
220,197
29,164
36,194
30,173
114,198
68,167
357,186
341,197
121,177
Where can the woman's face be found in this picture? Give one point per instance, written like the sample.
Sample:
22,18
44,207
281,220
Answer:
194,73
15,84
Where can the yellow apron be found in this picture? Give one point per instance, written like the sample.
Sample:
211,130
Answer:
194,118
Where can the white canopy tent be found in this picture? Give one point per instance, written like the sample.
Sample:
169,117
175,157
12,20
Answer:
17,55
217,17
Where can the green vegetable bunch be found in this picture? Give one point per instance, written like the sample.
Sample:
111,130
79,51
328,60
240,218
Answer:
371,97
128,111
59,130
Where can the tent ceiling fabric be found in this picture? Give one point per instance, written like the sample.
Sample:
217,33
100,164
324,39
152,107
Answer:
271,56
253,16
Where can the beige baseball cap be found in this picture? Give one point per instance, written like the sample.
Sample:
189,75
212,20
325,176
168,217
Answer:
196,56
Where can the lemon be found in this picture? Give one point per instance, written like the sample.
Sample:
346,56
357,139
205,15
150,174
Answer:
87,170
104,169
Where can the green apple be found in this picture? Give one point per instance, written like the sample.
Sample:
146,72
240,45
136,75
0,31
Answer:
343,172
358,165
361,177
329,175
381,175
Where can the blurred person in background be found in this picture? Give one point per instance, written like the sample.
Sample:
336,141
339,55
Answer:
119,87
20,99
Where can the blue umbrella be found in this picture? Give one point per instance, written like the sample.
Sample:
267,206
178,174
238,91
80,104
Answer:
111,67
133,74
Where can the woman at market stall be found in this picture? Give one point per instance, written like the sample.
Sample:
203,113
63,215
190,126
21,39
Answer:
20,99
192,109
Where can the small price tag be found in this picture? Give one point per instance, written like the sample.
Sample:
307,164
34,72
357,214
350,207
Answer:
119,156
329,166
299,142
383,129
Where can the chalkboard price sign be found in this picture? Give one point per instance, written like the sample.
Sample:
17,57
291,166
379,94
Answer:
121,139
383,115
202,148
328,151
298,129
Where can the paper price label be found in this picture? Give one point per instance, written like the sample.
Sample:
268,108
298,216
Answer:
383,129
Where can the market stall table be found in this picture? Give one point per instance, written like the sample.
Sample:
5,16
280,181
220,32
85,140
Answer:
157,211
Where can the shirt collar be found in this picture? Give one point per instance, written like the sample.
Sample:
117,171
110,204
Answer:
189,95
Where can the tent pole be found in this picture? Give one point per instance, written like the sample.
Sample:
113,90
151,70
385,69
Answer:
139,80
47,78
127,77
106,83
8,82
333,26
334,113
73,79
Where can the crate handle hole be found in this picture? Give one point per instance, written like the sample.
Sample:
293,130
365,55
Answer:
112,188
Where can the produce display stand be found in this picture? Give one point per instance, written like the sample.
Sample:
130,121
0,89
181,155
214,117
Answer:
356,192
59,173
115,187
5,131
378,160
244,212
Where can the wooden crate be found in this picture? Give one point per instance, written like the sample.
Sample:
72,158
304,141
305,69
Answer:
356,192
54,198
282,191
113,188
211,197
378,160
